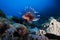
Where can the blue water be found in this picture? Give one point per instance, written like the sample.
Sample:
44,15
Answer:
16,7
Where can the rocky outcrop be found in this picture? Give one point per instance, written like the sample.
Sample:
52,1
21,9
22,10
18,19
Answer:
54,27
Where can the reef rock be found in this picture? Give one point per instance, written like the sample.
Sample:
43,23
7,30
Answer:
54,27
